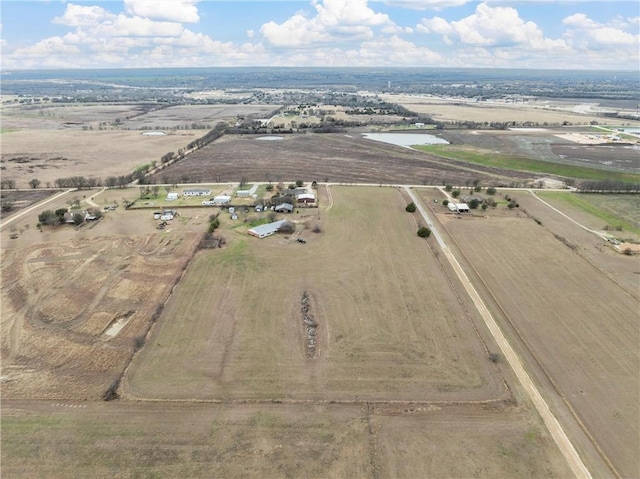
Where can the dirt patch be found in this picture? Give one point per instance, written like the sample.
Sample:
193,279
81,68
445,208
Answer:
59,297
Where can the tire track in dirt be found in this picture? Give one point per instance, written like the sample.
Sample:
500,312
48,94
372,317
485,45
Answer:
553,426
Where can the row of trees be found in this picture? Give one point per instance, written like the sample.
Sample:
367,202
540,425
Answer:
608,186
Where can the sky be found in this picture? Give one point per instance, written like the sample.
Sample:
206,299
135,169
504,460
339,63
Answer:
575,34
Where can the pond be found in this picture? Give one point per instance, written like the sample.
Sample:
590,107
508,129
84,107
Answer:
406,139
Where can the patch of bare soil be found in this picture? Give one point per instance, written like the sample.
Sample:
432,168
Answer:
333,157
60,299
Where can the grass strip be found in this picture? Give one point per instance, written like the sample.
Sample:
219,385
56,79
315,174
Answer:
585,203
506,162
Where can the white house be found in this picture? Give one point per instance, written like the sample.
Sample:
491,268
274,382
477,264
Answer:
262,231
458,207
172,196
222,199
196,192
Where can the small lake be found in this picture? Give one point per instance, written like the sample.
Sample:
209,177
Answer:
406,139
270,138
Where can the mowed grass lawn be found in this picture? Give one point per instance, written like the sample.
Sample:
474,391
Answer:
390,325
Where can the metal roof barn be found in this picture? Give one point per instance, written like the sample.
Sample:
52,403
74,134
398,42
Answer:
262,231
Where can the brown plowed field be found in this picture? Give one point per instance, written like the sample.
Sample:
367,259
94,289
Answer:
340,158
580,325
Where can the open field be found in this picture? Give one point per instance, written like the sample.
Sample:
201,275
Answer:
598,211
50,154
534,112
347,158
113,440
578,322
399,381
65,287
72,116
548,145
50,141
387,329
185,115
525,164
21,199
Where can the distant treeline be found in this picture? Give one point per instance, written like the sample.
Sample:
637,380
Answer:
608,186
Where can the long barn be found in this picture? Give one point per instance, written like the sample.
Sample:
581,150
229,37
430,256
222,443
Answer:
262,231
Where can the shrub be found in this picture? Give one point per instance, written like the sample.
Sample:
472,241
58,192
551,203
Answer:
424,232
455,193
491,190
411,207
474,203
448,187
112,391
288,227
445,202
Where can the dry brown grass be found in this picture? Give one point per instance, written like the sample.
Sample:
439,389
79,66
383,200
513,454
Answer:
578,321
390,326
452,110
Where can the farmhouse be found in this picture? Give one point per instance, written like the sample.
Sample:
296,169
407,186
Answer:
222,199
284,208
69,216
196,192
458,207
262,231
172,196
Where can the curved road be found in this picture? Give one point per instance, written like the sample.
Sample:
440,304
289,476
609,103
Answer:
550,421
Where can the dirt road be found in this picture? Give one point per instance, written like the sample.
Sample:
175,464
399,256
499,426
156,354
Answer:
554,427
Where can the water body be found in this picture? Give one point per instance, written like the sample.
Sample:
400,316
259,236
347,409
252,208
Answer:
406,139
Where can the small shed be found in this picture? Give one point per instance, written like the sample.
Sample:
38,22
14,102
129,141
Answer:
172,196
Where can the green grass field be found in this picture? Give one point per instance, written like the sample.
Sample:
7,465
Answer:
520,163
613,210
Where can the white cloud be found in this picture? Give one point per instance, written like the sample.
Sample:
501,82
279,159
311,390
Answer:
491,27
182,11
125,26
335,20
426,4
83,16
590,34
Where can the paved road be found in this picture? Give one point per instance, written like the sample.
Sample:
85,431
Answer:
554,427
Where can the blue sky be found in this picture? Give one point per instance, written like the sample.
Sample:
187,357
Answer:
576,34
